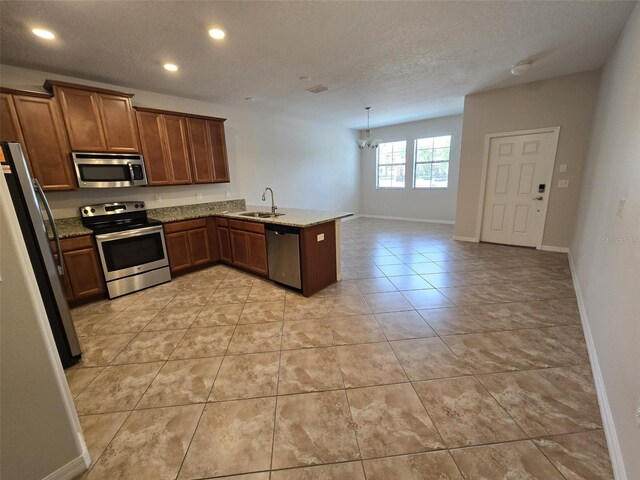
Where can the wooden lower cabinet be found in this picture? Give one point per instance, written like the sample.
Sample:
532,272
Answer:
82,278
187,244
248,246
318,257
257,246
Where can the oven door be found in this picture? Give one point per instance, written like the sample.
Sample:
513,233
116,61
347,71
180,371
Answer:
132,252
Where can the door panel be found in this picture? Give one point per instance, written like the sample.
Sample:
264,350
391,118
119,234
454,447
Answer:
513,207
119,126
45,142
224,242
200,150
177,148
257,244
151,134
84,273
81,112
215,129
239,248
199,246
178,251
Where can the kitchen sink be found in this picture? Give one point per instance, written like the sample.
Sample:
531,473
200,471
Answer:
261,214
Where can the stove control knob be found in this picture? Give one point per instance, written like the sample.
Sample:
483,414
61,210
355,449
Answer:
136,205
93,210
85,211
142,205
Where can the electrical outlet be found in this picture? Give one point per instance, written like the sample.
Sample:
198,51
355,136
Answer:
638,413
227,194
563,168
621,203
199,196
563,183
158,199
320,237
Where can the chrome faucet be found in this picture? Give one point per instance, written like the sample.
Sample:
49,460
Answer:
264,198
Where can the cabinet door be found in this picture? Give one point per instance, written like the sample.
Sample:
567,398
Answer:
177,148
155,159
239,248
9,128
45,142
200,149
178,250
84,273
199,246
257,245
81,112
64,279
119,125
224,243
214,242
215,130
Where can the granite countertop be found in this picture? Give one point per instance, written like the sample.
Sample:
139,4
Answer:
292,217
72,227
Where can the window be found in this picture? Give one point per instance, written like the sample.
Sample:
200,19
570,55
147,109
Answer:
392,161
431,162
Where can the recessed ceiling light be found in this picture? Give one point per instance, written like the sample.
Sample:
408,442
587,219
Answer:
217,33
171,67
42,33
305,77
249,99
520,68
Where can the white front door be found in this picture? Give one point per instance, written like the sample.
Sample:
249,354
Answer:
518,184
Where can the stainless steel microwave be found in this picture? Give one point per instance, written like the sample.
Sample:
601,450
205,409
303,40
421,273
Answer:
108,170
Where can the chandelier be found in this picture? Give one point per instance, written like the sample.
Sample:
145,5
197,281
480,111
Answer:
367,141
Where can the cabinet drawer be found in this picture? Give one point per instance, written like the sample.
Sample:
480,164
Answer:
186,225
74,243
246,226
222,222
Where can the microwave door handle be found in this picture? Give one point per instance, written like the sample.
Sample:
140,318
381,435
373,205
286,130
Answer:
52,222
131,174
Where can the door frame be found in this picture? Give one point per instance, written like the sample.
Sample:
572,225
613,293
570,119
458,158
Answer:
485,166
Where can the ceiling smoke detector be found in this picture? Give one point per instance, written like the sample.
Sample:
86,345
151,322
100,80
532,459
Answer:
317,89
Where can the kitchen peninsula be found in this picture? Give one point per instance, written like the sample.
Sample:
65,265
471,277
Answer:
203,234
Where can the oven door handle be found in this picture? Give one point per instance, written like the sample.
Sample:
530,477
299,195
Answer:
131,173
128,233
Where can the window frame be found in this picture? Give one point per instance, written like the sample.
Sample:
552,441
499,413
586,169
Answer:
416,162
378,150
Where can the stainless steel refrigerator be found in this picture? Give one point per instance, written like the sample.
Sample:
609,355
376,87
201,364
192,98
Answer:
31,206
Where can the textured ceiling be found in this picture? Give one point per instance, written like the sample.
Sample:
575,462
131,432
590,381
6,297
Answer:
409,60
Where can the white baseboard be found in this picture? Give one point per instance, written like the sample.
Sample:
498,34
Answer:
551,248
466,239
409,219
72,469
615,453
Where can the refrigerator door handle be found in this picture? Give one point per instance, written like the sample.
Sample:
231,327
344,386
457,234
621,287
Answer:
52,222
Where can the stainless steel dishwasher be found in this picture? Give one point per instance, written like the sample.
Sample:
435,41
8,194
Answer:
283,250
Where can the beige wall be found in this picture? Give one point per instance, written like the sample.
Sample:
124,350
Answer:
308,164
437,204
567,102
606,248
40,428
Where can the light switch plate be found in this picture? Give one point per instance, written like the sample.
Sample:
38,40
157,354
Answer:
563,183
227,194
563,168
199,196
320,237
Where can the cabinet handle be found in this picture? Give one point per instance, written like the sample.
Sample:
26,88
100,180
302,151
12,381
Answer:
52,221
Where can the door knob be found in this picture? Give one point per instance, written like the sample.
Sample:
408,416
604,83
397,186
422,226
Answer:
539,198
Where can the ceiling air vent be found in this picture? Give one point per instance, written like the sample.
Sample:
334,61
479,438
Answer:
317,89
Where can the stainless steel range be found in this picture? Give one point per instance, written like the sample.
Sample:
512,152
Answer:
131,246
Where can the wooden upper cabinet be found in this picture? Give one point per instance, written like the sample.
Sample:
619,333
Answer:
45,141
118,122
215,129
208,150
155,159
9,128
96,120
200,147
175,129
164,147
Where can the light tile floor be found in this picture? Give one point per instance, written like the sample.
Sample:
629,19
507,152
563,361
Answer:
431,359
